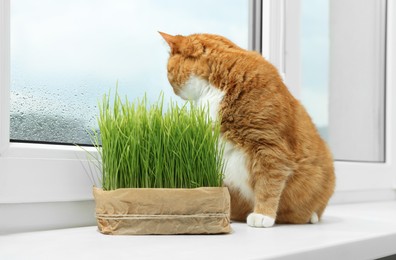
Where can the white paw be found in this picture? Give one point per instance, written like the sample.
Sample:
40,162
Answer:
314,218
259,220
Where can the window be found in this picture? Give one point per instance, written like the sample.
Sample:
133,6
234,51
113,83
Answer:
42,173
314,42
66,54
343,59
310,38
357,72
61,54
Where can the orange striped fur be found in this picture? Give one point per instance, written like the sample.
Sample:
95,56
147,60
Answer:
289,168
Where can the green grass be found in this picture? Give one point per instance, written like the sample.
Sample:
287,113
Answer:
148,146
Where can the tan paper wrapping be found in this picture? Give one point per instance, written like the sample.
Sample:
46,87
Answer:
163,211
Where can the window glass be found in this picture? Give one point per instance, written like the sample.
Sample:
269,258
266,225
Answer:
66,54
314,44
343,74
357,79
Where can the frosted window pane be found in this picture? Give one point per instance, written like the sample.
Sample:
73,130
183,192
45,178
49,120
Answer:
66,54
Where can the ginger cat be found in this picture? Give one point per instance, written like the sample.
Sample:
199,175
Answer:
277,167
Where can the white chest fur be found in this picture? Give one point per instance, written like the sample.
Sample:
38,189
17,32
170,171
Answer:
236,174
203,93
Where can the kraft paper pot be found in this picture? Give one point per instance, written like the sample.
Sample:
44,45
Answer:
138,211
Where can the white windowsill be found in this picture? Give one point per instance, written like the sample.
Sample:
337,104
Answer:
348,231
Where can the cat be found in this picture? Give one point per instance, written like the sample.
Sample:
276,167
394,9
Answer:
277,167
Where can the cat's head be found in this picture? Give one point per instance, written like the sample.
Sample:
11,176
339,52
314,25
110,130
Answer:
193,55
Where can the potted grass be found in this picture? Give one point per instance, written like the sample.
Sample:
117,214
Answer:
161,169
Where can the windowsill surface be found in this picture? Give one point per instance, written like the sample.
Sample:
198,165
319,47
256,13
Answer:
348,231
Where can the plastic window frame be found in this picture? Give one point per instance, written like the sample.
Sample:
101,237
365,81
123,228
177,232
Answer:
356,181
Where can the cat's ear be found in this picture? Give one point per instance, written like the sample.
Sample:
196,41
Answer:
174,42
183,45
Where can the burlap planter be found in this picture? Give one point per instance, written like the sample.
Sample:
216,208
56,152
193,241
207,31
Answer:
163,211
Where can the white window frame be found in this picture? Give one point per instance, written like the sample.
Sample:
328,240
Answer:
37,173
356,181
32,173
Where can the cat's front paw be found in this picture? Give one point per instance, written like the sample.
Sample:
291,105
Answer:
259,220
